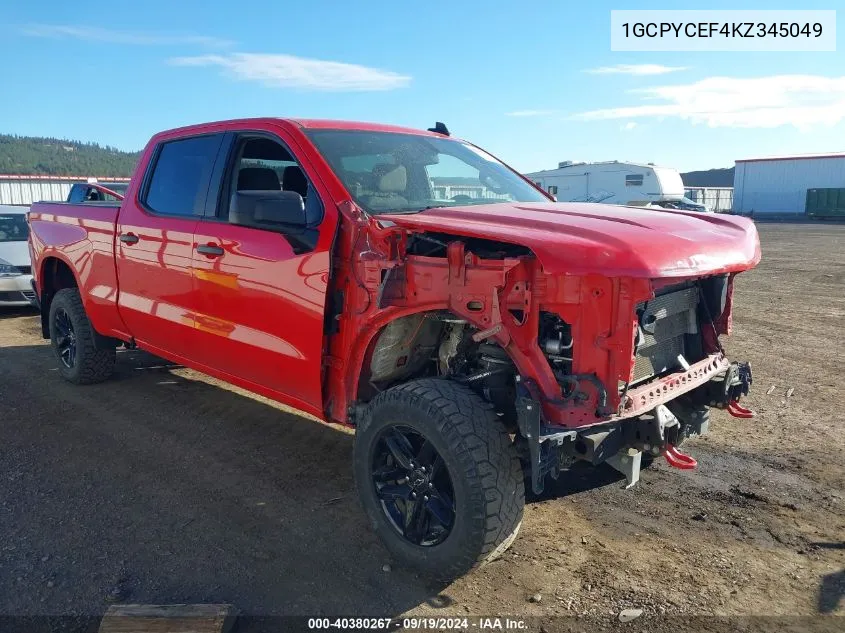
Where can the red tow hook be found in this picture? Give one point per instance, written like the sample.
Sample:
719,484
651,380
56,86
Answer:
677,459
738,411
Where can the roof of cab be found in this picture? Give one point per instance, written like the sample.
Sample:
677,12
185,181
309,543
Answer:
313,124
333,124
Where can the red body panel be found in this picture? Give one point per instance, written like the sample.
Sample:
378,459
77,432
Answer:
157,301
582,238
255,315
261,311
83,237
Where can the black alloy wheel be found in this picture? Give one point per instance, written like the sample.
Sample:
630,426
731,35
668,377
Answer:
413,485
439,478
82,360
65,338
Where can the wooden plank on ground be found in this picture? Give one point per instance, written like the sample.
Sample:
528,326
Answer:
168,618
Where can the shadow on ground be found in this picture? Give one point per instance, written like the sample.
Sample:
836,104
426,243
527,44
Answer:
158,488
580,477
832,586
16,312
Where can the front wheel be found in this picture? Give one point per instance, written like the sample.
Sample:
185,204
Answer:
72,337
438,477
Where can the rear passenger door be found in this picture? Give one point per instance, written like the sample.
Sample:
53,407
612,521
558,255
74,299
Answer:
155,245
263,292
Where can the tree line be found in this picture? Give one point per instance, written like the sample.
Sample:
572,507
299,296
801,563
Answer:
33,155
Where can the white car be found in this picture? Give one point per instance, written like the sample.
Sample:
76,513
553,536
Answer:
15,265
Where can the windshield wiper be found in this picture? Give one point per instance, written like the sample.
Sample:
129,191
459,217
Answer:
416,210
474,203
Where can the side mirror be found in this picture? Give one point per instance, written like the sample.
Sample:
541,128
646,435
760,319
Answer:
283,211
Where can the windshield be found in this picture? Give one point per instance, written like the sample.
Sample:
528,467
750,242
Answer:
388,172
13,227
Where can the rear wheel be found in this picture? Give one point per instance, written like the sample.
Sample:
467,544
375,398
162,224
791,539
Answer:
72,337
438,477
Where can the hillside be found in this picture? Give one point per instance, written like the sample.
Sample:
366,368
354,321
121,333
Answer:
709,178
34,155
57,157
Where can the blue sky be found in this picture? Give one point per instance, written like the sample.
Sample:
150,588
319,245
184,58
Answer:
519,79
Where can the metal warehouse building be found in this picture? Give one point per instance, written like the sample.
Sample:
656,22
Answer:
24,190
809,183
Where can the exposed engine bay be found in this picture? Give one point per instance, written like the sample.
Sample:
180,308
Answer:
579,365
672,332
432,244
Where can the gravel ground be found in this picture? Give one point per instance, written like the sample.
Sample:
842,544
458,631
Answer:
166,486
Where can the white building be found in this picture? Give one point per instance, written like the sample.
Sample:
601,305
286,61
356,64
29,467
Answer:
718,199
779,184
24,190
615,182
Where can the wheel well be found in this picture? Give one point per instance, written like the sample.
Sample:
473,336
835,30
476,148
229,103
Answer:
439,344
397,351
55,275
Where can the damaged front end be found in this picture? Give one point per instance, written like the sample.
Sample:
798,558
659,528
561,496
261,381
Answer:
678,372
580,367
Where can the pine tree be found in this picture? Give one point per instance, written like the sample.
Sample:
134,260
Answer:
29,155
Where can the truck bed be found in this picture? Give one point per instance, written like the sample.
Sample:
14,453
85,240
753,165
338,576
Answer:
80,236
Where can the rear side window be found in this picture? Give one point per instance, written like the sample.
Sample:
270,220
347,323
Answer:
179,180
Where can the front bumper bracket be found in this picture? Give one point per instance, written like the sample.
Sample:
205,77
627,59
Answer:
543,442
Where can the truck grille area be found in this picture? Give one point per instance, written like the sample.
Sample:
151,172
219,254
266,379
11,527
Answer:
665,323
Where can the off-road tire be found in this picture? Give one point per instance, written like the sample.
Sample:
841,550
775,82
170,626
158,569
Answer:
92,365
483,465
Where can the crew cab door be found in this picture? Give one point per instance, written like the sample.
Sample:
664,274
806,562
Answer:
262,292
155,244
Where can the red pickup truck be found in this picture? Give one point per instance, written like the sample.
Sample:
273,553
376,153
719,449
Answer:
475,333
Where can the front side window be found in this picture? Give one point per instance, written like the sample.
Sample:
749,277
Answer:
13,227
391,172
178,183
263,164
634,180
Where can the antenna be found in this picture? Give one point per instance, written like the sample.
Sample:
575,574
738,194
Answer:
440,128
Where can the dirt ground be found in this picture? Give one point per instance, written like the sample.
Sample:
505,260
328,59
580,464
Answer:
165,486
